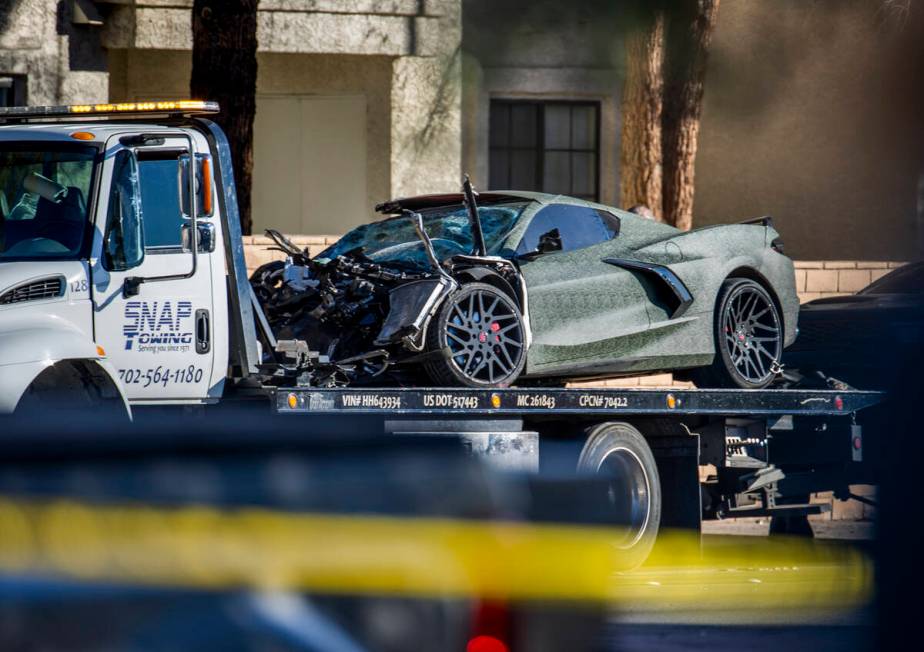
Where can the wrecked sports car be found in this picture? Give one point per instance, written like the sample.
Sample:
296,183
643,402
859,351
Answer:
535,289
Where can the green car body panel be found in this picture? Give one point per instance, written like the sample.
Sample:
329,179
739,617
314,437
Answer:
592,318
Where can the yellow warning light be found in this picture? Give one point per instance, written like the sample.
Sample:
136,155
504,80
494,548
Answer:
82,135
671,401
100,351
161,106
292,400
130,107
495,400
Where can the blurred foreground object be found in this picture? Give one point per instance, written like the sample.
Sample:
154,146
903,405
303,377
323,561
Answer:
217,540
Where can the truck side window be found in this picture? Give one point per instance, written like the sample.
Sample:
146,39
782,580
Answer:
124,240
163,218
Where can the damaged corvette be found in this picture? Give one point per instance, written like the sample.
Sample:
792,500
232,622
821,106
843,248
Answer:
505,287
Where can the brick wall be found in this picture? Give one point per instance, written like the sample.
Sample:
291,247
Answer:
816,278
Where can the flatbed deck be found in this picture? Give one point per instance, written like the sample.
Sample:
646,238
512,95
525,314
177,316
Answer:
587,402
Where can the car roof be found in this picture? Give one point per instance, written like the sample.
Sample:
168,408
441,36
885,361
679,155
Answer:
423,202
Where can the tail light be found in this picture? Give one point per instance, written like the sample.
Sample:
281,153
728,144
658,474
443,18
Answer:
777,245
492,627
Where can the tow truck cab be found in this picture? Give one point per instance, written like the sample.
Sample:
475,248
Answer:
113,284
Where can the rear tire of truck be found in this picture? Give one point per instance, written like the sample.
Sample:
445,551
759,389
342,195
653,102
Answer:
619,452
481,337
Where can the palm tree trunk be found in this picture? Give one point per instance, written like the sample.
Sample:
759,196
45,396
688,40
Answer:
640,151
224,69
689,34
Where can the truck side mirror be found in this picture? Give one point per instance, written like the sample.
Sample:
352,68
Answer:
204,185
123,242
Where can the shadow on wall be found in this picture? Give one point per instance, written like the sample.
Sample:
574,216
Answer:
7,7
85,49
811,115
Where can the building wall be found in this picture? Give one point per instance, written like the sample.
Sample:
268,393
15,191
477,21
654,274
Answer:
541,49
800,122
307,160
393,66
64,63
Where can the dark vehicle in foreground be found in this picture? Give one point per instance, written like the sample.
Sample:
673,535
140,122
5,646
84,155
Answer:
202,536
864,339
538,288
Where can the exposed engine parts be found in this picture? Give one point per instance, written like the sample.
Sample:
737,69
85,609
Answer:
367,321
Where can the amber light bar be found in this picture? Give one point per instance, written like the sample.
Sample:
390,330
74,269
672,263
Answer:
186,107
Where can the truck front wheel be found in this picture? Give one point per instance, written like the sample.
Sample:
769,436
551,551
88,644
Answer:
618,452
76,387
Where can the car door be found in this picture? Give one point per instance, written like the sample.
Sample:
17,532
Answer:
158,339
582,310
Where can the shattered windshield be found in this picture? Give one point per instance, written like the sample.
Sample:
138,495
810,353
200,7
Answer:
43,200
395,241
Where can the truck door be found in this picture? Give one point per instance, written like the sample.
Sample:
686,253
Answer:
159,338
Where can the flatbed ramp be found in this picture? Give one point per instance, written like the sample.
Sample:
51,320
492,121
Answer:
583,401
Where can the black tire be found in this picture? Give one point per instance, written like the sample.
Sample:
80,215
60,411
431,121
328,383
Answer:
748,335
484,353
619,452
67,391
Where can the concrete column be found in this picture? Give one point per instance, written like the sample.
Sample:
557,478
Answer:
426,124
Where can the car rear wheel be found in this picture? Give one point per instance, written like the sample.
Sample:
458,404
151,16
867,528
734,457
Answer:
481,334
748,338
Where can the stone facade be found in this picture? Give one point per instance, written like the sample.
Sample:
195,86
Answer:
62,62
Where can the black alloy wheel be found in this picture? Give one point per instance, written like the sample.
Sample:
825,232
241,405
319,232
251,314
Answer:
752,334
748,338
481,331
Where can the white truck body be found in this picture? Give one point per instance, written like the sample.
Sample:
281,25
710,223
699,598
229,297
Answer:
166,344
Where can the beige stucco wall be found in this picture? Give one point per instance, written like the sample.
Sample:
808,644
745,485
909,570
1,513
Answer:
412,117
137,74
799,123
401,57
64,62
541,49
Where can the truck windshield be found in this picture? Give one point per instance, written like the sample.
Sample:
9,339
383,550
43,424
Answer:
43,201
395,241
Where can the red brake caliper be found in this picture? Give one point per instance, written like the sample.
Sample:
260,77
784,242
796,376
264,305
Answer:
494,328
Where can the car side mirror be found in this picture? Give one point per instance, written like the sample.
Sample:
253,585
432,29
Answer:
548,242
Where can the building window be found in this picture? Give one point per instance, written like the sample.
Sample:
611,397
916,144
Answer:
12,90
551,147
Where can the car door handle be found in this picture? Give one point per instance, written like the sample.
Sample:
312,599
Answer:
203,341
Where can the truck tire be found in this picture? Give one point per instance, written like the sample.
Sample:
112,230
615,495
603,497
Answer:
619,452
68,390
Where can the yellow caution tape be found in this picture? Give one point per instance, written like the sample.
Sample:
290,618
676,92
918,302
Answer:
263,549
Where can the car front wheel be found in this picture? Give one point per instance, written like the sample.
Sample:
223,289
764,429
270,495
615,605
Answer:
481,339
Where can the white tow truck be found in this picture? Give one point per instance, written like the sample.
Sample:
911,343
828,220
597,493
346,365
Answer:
123,285
112,283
